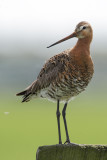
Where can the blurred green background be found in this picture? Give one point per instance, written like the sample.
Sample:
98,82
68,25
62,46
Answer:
26,28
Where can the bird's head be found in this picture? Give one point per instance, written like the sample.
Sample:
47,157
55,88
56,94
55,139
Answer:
82,30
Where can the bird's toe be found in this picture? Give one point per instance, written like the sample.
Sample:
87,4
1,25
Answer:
67,141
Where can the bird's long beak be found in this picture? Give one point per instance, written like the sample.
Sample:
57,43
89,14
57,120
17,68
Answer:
64,39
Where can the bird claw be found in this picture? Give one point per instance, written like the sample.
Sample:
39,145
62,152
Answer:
67,141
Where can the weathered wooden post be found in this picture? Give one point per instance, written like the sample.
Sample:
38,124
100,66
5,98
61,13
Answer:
72,152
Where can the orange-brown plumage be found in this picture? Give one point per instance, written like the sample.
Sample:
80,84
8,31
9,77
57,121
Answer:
66,74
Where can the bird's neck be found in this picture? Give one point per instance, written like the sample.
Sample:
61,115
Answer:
83,44
81,53
81,50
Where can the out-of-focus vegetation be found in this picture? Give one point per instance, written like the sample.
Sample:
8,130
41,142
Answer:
26,126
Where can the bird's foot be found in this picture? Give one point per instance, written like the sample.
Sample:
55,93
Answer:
67,141
60,142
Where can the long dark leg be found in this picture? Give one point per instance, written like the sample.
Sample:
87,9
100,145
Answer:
65,123
58,120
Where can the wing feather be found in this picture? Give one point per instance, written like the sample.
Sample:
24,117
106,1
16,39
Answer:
50,73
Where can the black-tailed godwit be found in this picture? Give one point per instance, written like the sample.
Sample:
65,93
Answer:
65,75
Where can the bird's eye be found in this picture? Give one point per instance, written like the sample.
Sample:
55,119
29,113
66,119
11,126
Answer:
84,27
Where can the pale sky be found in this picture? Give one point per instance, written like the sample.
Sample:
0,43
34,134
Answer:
37,18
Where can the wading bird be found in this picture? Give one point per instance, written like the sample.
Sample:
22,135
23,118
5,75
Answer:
65,75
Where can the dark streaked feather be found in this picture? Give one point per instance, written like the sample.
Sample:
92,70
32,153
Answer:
48,74
21,93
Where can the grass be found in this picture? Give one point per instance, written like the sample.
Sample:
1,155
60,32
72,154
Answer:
34,124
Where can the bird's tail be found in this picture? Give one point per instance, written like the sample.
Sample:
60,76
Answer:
21,93
26,95
28,92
